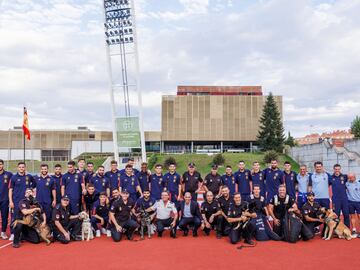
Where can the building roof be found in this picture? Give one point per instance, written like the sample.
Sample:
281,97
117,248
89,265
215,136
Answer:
219,90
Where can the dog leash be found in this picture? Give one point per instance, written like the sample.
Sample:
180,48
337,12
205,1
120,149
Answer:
246,246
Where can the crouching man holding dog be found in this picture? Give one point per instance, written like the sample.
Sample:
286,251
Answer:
23,230
66,226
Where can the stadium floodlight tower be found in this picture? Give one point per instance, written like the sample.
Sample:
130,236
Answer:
123,70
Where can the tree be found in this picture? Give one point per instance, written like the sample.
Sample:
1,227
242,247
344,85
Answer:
218,159
290,141
355,127
271,132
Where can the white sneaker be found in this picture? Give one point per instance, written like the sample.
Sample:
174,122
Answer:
354,234
98,233
103,231
108,233
11,237
4,236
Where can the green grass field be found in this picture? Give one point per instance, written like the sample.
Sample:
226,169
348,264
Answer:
203,161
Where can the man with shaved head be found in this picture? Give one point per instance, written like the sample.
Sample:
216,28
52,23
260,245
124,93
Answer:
353,195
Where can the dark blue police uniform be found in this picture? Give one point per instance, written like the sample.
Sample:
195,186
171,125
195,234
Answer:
4,198
230,182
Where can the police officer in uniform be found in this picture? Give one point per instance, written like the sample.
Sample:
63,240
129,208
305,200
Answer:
191,180
129,182
4,198
114,176
28,206
120,216
225,200
45,190
278,206
212,181
238,217
228,179
210,211
66,227
339,198
311,211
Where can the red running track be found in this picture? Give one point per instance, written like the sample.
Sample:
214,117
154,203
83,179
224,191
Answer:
182,253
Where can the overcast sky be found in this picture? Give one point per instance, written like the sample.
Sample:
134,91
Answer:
52,58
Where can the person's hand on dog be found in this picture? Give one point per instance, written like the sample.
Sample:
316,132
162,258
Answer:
321,220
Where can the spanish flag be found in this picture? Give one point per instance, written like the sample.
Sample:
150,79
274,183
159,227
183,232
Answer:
25,125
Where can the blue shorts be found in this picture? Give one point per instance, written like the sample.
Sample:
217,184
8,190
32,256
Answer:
354,207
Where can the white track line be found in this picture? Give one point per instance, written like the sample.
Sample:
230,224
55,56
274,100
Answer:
8,244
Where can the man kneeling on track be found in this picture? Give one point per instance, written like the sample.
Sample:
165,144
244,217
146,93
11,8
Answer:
100,216
120,216
239,217
210,210
27,207
312,213
66,226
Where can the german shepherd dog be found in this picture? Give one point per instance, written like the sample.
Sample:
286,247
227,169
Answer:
145,222
34,221
334,224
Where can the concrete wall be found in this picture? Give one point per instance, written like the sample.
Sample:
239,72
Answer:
18,154
329,155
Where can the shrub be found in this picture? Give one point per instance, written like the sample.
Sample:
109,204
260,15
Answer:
168,161
152,160
218,159
270,155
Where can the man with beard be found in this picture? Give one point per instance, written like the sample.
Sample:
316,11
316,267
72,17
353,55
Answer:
57,177
114,176
130,182
303,188
243,179
228,179
225,200
273,179
238,217
210,211
311,211
26,207
101,182
290,180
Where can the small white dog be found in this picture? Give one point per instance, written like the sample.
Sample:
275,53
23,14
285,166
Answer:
86,229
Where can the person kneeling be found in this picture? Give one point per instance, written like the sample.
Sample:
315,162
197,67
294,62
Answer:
22,227
66,226
239,217
120,216
210,211
190,215
100,214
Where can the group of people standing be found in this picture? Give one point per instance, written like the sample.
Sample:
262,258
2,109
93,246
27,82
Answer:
237,204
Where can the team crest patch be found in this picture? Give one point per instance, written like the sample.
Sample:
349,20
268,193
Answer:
23,205
120,208
57,216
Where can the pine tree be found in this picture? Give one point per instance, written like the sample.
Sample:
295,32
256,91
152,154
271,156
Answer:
290,141
271,132
355,127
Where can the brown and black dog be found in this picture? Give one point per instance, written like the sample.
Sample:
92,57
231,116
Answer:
31,221
334,224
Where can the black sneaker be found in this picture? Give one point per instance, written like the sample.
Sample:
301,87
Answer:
15,245
207,233
130,236
195,234
159,234
172,234
186,232
249,242
218,236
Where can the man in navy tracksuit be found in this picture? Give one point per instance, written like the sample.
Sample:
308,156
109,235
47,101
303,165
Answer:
228,180
339,196
57,177
290,179
114,176
101,182
45,191
243,178
73,185
189,215
157,183
4,198
144,177
130,182
18,184
273,179
258,178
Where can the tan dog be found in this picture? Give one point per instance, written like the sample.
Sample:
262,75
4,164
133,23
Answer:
43,231
334,224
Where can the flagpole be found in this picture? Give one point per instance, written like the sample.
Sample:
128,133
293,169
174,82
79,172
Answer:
24,137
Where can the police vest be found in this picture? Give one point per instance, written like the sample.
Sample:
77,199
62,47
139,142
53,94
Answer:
277,202
253,197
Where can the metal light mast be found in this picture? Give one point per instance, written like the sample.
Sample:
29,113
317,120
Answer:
123,64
